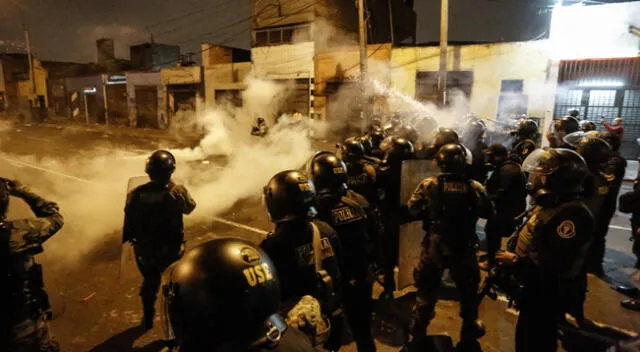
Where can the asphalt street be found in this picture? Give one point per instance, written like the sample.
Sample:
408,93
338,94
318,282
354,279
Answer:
95,297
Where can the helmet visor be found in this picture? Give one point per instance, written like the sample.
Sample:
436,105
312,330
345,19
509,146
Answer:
539,162
468,156
574,138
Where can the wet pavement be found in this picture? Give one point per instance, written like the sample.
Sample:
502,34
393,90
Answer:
95,303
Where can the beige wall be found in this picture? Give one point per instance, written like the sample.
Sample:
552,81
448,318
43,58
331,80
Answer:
288,61
490,64
229,76
181,75
344,65
269,13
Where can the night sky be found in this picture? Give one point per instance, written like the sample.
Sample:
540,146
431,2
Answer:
67,29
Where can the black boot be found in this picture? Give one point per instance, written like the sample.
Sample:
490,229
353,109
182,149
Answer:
148,313
472,330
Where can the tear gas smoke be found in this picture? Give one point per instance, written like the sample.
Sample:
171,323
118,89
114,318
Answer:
93,210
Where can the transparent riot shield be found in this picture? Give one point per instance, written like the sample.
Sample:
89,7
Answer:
411,234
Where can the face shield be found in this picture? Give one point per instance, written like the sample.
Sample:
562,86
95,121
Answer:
539,165
468,156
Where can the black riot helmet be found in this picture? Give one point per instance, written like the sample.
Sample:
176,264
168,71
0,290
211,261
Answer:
407,132
595,152
377,135
587,126
452,158
526,128
613,139
496,154
367,143
222,293
260,120
573,113
566,125
445,136
160,166
289,195
4,199
554,173
352,149
328,173
397,150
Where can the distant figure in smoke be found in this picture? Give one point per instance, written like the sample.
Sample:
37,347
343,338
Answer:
260,128
26,313
616,128
562,127
153,224
526,134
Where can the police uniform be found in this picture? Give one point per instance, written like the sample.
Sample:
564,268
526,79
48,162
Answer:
290,248
349,216
361,178
27,310
477,169
449,205
523,147
153,222
611,182
389,180
506,188
551,248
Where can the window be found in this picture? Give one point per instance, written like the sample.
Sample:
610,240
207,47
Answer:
457,81
261,38
287,35
275,36
282,35
511,86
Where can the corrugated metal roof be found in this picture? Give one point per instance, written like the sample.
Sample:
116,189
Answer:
623,69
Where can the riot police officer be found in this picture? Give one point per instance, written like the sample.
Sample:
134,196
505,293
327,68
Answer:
25,308
562,127
376,135
551,247
289,198
586,126
506,188
361,174
614,174
596,154
442,137
153,224
260,128
473,138
526,134
224,295
349,214
389,179
449,205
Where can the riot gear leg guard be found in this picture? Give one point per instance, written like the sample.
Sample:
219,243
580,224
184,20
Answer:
428,276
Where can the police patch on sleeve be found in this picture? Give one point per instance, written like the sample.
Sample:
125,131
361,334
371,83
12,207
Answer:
566,229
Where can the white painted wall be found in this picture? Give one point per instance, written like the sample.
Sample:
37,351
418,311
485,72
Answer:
490,63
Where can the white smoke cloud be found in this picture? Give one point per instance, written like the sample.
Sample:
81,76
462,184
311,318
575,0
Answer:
93,210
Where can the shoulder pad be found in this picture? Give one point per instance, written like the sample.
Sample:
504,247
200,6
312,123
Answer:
477,186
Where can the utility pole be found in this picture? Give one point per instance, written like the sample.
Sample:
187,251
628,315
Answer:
363,64
444,29
33,99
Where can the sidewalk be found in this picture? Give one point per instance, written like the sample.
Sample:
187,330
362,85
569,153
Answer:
63,124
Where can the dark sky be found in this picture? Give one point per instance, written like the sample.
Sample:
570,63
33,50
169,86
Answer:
67,29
